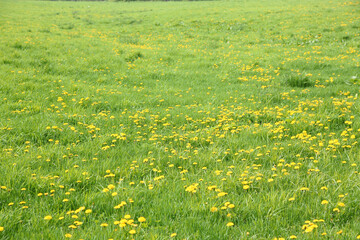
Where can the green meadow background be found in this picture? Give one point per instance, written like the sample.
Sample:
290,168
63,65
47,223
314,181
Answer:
180,120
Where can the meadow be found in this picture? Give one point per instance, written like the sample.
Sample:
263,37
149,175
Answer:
180,120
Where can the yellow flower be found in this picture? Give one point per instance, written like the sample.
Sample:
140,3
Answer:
339,232
213,209
245,187
48,217
230,224
132,231
88,211
1,229
141,219
221,194
293,237
104,225
174,235
68,235
324,202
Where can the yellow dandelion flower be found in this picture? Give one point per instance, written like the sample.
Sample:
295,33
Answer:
68,235
132,232
221,194
336,210
213,209
230,224
174,235
48,217
104,225
88,211
324,202
141,219
1,229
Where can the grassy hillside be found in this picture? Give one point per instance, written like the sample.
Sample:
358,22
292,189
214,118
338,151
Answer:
183,120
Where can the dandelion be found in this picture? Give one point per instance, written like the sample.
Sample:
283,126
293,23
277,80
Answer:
324,202
141,219
68,235
230,224
104,225
174,235
132,232
1,229
213,209
48,217
221,194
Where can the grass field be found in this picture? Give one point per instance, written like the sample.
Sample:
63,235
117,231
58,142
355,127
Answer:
180,120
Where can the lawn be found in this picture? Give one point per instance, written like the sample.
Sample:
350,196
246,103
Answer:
180,120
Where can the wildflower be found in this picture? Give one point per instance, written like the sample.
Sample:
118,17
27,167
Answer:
141,219
213,209
221,194
1,229
68,235
230,224
174,235
48,217
132,232
324,202
88,211
104,225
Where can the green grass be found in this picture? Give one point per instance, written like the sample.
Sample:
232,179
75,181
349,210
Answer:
173,104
